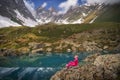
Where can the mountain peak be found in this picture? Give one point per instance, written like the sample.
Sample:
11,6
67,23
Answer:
52,9
19,12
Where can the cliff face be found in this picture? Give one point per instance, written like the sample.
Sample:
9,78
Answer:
104,67
15,13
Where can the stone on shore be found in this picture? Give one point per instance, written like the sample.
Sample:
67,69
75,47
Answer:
104,67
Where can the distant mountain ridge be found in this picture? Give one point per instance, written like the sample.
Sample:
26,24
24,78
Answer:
16,13
76,14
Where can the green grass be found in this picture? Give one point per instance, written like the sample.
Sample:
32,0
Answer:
16,37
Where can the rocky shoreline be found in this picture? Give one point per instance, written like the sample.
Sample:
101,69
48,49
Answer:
96,40
86,41
36,50
97,67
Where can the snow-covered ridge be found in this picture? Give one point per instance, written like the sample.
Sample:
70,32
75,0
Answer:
75,15
26,21
18,13
25,14
6,22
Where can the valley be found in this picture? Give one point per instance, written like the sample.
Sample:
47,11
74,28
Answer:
37,40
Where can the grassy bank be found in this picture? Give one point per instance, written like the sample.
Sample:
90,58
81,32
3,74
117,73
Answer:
17,37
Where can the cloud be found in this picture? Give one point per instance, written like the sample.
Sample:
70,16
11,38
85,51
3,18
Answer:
44,4
103,1
30,6
65,6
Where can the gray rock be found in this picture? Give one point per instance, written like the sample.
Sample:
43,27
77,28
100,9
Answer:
92,57
107,68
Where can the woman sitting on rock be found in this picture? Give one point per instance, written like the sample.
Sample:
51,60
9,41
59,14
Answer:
73,63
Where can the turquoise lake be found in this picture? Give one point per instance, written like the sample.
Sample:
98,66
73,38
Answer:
35,67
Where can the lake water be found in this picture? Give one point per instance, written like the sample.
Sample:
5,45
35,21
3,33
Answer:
37,67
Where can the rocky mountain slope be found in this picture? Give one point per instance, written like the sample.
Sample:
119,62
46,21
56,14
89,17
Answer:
60,38
76,14
46,16
15,12
110,14
85,13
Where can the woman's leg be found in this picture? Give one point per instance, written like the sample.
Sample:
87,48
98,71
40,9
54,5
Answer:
71,63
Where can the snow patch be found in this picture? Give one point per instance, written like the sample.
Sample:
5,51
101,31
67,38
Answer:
79,21
6,22
54,13
63,21
31,7
93,19
26,21
84,14
87,4
100,6
43,21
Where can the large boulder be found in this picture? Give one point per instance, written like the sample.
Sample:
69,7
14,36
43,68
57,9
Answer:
35,45
92,57
40,50
110,65
104,67
49,49
24,50
91,46
9,52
